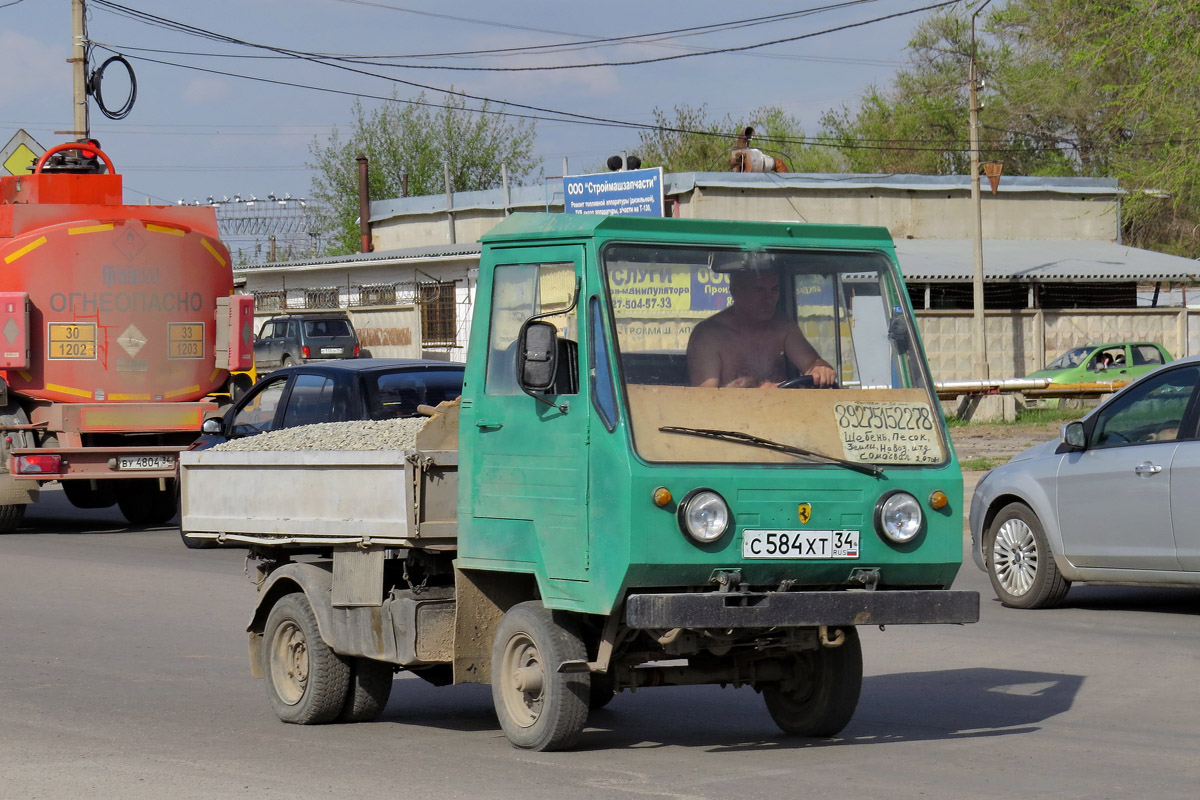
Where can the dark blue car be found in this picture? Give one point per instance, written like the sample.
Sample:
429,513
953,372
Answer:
332,391
336,391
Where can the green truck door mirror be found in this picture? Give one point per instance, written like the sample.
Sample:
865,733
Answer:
537,355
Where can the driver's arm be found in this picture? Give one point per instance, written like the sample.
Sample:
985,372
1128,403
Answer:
806,359
703,358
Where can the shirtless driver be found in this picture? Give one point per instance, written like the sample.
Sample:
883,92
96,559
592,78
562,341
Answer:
747,343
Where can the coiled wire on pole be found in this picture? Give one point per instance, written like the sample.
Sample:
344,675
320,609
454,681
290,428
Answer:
98,77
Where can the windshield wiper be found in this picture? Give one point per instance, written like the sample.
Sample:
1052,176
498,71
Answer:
757,441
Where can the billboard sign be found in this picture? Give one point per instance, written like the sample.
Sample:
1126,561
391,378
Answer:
638,192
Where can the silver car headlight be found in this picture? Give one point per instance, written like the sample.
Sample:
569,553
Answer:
898,517
703,515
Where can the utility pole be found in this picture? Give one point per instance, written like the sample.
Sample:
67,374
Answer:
79,65
979,332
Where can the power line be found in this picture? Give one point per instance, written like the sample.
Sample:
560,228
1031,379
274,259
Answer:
813,141
565,116
328,60
676,57
371,60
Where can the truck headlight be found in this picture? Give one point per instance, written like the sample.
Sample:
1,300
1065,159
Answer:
703,515
898,517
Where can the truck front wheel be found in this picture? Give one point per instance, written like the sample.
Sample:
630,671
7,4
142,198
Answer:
820,698
307,683
539,707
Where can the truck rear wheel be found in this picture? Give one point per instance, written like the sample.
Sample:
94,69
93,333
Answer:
307,683
370,688
820,698
143,503
539,707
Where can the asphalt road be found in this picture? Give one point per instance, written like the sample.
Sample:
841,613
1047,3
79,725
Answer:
123,674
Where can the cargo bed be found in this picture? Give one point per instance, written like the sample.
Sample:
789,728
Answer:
386,498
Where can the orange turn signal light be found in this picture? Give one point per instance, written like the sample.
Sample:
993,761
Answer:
662,497
938,500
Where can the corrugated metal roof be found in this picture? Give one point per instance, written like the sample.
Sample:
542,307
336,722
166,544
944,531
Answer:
550,193
926,260
685,181
380,258
1039,260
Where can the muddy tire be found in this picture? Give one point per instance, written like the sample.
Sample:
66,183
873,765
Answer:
307,683
539,707
819,700
370,688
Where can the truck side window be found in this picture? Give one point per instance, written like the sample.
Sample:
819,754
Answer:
518,292
604,394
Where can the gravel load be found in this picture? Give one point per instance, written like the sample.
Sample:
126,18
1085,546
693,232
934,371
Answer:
388,434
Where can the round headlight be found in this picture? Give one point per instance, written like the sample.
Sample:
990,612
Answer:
703,515
898,517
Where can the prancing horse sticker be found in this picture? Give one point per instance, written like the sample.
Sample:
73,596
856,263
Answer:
804,512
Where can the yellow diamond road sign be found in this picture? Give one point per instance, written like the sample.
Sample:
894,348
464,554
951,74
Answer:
18,155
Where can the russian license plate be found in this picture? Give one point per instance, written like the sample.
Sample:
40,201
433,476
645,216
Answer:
800,544
331,351
145,462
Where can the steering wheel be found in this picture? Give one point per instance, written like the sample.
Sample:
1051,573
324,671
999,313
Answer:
804,382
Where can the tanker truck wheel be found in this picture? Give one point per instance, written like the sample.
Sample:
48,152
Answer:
539,707
143,503
13,414
307,683
11,516
82,495
820,698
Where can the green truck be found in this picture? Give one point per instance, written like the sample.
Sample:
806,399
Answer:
602,511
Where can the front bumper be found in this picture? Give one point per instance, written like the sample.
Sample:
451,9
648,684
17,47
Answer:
801,609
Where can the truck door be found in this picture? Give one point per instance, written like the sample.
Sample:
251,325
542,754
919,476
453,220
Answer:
530,491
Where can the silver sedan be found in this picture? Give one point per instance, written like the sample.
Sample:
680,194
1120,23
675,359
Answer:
1115,500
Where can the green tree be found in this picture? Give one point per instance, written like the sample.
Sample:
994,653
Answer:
411,138
920,124
1120,82
691,141
1100,88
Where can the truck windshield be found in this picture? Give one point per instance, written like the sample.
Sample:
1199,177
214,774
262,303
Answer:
811,350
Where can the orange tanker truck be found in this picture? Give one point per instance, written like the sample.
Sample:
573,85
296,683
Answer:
119,332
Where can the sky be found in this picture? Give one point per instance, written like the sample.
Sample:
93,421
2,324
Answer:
201,131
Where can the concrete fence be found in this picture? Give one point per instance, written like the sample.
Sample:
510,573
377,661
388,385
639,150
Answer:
1020,342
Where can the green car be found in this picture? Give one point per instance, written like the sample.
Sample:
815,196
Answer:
1122,361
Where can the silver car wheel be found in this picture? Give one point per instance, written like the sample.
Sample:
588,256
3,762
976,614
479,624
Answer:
1015,556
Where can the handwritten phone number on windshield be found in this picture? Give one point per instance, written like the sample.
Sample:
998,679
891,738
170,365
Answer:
884,416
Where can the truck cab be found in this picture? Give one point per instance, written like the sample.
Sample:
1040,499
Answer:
735,525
